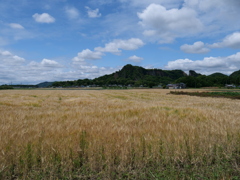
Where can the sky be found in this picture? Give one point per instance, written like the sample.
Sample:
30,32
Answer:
59,40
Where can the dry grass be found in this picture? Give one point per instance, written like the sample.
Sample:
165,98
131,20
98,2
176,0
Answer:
113,134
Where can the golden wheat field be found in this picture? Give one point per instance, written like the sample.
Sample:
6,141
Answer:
117,134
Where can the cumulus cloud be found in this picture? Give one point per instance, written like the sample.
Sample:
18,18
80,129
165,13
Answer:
169,24
16,26
232,41
5,53
39,72
15,69
116,45
91,71
216,15
197,48
135,59
33,72
45,64
93,13
8,58
87,55
208,65
72,12
164,21
43,18
50,63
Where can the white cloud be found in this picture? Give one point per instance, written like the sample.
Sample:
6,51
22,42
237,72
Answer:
18,59
93,13
50,63
72,12
117,44
87,55
43,18
169,24
217,15
45,64
5,53
91,72
7,58
232,41
135,59
36,72
112,47
208,65
197,48
16,26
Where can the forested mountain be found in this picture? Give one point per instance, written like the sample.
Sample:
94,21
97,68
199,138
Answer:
138,76
130,75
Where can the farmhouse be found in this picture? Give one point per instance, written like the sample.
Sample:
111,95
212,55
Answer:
230,86
176,86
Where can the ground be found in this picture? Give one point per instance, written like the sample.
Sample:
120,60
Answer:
122,134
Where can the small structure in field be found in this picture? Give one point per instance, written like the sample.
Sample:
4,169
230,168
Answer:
176,86
230,86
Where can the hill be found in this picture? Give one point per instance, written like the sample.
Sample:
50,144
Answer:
235,77
193,73
137,76
217,75
44,84
137,73
235,74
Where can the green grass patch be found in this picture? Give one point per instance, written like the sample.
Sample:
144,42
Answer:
223,94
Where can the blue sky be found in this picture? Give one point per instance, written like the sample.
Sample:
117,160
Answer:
54,40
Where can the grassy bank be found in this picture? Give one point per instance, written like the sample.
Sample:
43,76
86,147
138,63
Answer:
131,134
222,94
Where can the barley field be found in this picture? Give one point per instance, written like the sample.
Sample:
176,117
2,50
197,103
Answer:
117,134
